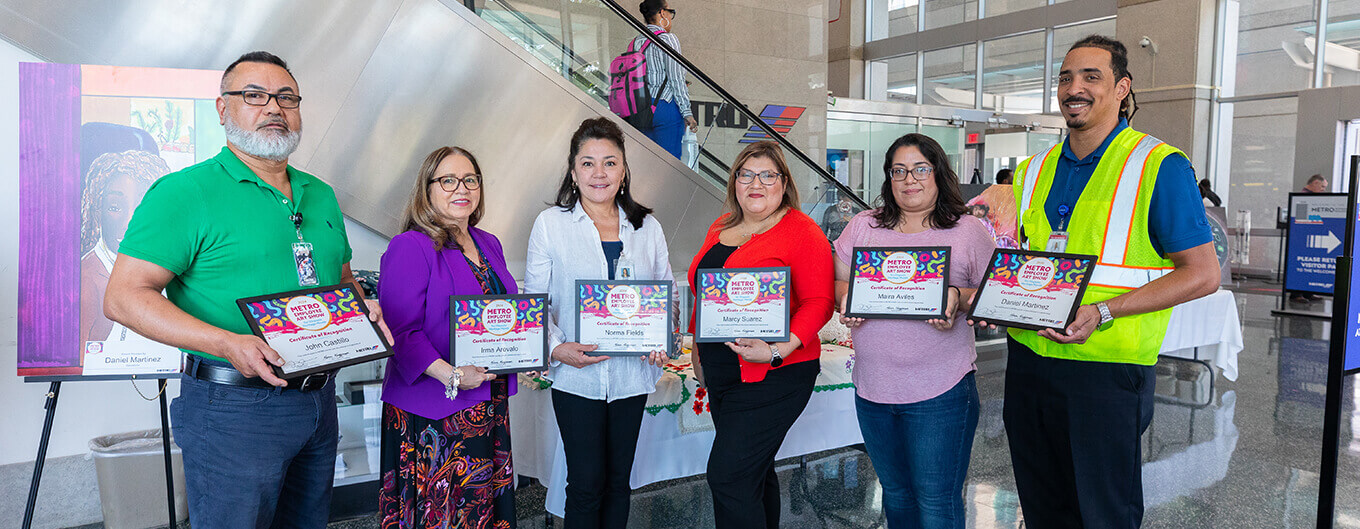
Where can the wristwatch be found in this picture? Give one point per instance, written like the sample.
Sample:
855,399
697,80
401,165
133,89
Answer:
1105,316
451,385
775,359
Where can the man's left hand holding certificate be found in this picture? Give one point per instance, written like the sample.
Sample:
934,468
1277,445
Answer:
316,329
504,334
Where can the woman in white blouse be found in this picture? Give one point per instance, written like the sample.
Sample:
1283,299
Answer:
595,230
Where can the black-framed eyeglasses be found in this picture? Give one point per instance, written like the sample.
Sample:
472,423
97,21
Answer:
768,178
450,183
259,98
923,172
671,11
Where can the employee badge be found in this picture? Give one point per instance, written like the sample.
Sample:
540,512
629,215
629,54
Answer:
306,267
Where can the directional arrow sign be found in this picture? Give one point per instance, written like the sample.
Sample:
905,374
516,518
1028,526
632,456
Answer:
1328,241
1312,244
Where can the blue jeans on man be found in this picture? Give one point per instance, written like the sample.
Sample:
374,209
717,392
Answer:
921,452
256,457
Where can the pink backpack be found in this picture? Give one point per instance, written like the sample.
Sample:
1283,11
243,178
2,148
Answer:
628,94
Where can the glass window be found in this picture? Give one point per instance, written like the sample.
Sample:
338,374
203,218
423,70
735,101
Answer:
1013,74
950,138
1064,38
1343,43
1262,166
1273,46
890,18
950,75
941,13
902,78
1001,7
855,151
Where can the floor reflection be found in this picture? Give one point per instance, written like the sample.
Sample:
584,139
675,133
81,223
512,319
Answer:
1219,453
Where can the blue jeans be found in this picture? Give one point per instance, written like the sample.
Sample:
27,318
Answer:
920,452
256,457
668,127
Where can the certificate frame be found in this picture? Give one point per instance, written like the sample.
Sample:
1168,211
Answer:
856,268
358,308
542,320
701,274
995,264
608,286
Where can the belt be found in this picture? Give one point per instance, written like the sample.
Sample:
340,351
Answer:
196,367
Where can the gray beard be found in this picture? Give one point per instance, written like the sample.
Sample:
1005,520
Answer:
265,145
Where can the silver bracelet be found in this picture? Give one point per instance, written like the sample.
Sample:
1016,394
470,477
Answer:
451,385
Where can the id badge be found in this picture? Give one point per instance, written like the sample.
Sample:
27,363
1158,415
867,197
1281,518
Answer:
1057,242
306,267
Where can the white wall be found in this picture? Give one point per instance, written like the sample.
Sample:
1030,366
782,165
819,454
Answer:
85,409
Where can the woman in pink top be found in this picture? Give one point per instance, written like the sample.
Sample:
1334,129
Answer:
915,394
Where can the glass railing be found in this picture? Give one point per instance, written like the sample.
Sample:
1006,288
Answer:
579,38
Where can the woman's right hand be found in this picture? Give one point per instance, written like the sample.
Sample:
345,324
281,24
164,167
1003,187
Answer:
574,354
473,377
848,322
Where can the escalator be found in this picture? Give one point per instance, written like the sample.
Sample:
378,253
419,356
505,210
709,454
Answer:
388,81
578,40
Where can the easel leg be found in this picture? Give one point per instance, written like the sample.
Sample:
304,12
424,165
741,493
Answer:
169,462
51,406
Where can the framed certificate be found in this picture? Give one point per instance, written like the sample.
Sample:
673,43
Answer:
898,282
504,334
624,317
1032,290
316,329
733,303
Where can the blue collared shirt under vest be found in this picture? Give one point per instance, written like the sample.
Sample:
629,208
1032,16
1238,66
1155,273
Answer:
1176,219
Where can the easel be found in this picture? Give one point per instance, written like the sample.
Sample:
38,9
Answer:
50,405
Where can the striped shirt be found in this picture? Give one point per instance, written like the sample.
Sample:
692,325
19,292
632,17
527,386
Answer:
661,68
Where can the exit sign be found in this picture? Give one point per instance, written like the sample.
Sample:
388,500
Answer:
974,137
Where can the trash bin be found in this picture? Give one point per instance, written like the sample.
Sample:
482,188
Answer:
131,471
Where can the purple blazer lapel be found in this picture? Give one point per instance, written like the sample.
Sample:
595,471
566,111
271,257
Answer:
491,249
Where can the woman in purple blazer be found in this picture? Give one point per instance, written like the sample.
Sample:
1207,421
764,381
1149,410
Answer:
446,429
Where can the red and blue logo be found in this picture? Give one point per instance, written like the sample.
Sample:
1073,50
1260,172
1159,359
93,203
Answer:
778,117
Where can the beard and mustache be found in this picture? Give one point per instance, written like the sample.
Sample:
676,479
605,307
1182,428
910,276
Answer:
267,144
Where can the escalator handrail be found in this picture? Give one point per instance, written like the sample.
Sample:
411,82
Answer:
581,63
642,30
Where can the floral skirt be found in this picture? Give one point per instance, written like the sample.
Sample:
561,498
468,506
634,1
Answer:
449,473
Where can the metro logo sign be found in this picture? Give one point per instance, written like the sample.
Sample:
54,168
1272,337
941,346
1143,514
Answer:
780,118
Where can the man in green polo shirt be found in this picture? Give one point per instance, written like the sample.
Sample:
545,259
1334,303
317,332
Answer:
258,451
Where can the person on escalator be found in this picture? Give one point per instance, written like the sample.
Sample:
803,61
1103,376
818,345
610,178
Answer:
671,113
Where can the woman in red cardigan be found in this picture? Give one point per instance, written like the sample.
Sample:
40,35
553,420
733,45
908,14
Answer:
757,389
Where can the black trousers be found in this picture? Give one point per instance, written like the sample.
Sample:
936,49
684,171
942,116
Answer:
1075,429
751,420
599,439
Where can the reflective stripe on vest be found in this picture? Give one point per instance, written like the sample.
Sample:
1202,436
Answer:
1032,172
1125,277
1118,224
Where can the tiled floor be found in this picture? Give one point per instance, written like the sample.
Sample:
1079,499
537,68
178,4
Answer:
1244,455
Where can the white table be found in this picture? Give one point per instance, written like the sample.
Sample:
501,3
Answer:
664,452
1207,329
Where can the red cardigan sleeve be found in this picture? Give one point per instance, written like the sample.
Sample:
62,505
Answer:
808,254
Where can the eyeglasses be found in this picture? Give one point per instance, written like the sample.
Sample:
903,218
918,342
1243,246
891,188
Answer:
450,183
259,98
768,178
671,11
919,173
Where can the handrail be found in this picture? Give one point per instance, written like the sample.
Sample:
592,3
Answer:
566,50
713,85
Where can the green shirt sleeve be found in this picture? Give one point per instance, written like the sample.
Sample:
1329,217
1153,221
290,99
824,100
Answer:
166,227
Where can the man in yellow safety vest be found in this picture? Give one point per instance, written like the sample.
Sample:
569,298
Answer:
1077,402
